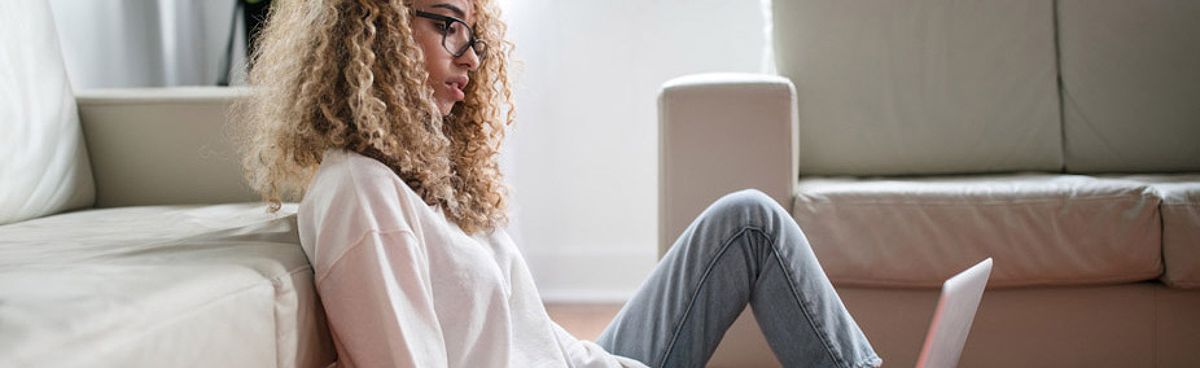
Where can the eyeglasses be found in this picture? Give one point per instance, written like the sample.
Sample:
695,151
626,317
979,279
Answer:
457,36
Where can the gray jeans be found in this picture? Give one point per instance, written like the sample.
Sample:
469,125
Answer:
744,248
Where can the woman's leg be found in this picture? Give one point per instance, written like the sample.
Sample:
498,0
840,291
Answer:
744,248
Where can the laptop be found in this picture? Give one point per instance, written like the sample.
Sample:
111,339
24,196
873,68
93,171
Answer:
953,316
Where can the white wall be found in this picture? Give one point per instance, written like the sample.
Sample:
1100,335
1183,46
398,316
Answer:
582,155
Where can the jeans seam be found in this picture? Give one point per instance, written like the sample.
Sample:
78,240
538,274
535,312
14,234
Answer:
699,285
803,307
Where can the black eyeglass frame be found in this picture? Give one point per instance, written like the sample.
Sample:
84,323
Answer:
472,43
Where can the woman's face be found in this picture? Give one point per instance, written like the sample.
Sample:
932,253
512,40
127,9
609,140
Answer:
447,73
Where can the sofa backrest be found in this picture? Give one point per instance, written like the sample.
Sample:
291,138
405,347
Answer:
157,146
44,166
889,87
1130,85
900,87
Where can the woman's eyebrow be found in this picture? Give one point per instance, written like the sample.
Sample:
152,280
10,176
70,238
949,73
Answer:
453,9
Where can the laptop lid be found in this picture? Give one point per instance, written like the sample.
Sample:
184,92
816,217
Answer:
953,316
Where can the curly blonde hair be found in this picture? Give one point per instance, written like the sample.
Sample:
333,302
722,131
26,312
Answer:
347,74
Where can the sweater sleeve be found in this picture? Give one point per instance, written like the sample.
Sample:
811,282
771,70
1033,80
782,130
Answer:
379,303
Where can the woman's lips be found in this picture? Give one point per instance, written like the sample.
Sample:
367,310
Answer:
456,91
456,86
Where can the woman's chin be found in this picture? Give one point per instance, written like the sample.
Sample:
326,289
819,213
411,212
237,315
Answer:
447,107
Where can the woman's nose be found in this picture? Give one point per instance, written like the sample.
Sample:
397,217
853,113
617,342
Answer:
469,59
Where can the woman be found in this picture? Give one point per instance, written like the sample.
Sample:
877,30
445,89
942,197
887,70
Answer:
388,116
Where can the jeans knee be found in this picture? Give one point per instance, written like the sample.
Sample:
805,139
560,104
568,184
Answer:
749,202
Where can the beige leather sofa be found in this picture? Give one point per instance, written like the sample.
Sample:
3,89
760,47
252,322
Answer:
125,239
913,138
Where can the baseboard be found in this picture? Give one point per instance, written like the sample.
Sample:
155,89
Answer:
590,275
618,297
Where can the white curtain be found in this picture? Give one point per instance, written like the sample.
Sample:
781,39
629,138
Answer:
145,43
582,156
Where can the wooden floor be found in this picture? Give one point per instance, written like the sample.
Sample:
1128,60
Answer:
585,321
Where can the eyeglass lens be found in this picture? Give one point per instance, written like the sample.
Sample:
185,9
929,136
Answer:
458,39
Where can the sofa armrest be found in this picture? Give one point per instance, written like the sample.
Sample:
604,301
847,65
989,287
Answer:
152,146
720,133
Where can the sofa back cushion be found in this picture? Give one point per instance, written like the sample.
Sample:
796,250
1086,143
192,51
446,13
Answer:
921,86
1131,85
43,162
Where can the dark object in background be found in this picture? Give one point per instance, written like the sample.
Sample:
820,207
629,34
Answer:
254,14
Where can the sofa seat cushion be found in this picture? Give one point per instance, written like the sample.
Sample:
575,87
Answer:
224,285
1180,210
1041,229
